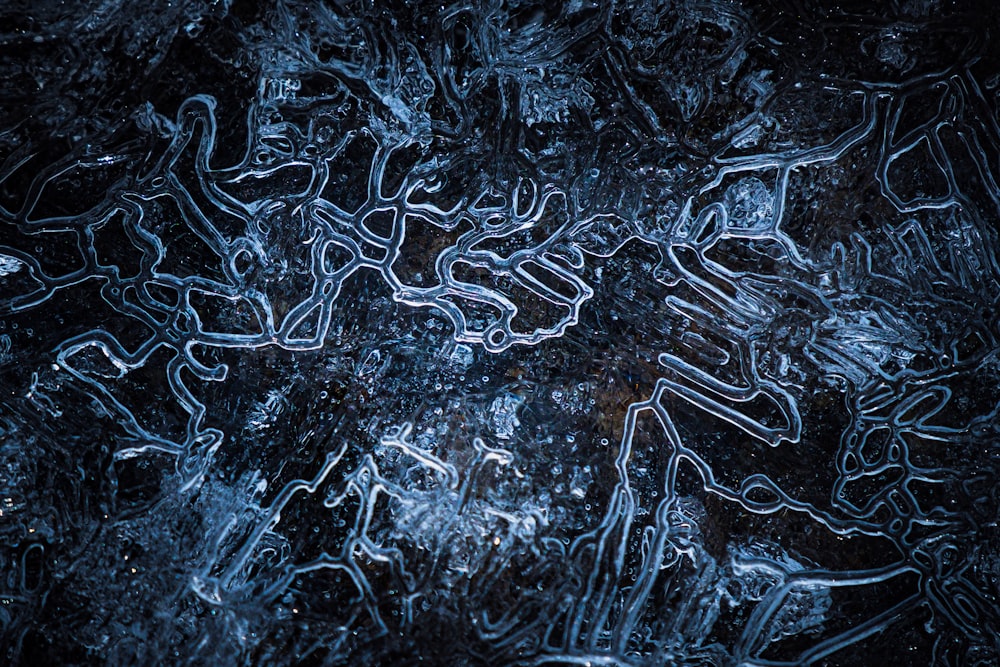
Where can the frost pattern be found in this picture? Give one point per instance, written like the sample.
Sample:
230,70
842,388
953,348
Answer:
602,334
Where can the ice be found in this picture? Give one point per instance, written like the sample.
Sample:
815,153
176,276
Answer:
750,204
503,413
9,265
622,333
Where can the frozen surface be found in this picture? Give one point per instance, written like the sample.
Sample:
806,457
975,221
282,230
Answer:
589,333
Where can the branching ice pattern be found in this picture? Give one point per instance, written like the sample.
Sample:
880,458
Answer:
782,301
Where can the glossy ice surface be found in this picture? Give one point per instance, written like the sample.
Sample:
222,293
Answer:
589,333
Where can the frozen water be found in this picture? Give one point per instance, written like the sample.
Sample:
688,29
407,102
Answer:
750,204
618,333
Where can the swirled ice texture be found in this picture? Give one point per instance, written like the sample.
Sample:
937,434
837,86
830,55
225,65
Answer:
594,333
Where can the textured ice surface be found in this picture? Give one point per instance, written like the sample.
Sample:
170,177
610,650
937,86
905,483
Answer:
594,333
